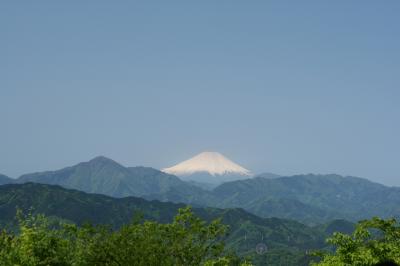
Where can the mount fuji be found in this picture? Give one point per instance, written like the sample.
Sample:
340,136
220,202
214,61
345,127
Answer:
209,168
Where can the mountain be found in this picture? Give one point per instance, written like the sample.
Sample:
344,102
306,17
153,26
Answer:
311,198
337,226
5,180
245,230
77,206
105,176
268,175
208,168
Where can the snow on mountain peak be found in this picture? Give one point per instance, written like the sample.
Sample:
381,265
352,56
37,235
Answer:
212,163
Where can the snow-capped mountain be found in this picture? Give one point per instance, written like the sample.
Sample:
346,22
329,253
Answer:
209,167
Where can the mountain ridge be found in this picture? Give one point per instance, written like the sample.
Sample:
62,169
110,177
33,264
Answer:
310,199
79,207
5,179
105,176
328,196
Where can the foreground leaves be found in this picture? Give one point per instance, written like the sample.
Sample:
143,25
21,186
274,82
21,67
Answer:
186,241
374,241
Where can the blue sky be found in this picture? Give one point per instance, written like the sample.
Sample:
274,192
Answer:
280,86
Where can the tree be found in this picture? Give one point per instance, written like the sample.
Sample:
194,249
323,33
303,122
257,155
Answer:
35,244
186,241
374,242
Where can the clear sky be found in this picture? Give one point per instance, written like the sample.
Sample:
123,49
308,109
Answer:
280,86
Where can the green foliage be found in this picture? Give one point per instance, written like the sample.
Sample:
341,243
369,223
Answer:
245,230
373,241
188,240
185,241
226,261
35,244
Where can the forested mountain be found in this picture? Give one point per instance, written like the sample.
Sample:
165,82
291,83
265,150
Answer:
105,176
311,199
246,230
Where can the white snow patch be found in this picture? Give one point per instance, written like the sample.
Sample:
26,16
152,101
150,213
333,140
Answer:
212,163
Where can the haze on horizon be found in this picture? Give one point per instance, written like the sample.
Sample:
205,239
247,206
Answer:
310,87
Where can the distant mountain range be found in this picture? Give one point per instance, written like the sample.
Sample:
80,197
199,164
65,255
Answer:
285,238
310,199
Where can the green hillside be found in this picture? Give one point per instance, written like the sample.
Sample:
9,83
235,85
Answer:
311,199
105,176
246,230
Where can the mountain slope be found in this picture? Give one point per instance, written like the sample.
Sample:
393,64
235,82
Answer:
326,197
77,206
246,230
209,168
5,180
268,175
105,176
311,199
99,175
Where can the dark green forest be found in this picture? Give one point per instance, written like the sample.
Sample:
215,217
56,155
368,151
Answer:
58,226
186,240
287,240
